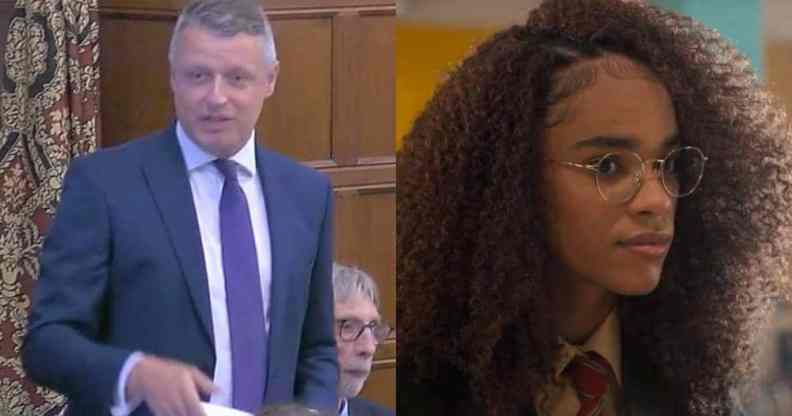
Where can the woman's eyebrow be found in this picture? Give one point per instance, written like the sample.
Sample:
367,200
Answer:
622,142
609,142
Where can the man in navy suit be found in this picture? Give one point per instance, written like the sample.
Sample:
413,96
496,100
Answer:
191,264
356,310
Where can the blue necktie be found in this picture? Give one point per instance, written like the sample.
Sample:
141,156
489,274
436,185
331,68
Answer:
243,294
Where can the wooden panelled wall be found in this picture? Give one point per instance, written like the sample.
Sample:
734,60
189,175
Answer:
333,109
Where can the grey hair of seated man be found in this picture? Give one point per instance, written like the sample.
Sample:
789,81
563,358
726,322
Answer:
349,280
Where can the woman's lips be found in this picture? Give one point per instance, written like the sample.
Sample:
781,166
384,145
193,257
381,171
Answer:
648,244
653,250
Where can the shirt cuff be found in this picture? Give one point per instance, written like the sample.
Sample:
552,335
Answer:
120,405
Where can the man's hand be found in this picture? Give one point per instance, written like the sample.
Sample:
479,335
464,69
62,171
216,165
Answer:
168,387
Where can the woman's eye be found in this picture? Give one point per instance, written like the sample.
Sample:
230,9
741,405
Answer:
610,165
670,166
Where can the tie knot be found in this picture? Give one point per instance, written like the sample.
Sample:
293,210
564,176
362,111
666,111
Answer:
227,168
590,374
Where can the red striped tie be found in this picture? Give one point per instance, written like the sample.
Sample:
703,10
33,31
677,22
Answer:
591,376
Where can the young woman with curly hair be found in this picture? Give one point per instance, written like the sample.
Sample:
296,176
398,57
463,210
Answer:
608,182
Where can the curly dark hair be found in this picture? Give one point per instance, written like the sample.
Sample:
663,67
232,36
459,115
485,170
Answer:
472,292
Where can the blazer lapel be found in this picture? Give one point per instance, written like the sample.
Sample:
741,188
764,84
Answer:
281,219
167,178
643,392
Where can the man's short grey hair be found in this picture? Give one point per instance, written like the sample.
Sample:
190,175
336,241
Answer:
349,280
227,18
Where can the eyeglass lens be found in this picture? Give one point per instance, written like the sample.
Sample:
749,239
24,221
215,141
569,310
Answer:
352,330
620,174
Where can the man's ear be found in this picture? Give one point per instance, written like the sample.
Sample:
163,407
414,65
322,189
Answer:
272,79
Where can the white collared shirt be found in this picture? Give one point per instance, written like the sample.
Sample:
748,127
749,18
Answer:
206,184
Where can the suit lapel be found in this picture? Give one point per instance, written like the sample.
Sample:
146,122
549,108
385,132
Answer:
167,178
356,408
281,219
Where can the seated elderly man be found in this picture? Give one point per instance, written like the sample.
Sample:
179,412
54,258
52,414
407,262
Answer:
356,309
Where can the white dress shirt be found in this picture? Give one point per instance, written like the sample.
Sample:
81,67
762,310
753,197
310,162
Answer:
344,408
206,183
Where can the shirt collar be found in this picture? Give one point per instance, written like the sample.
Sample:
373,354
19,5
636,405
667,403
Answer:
196,157
343,410
606,341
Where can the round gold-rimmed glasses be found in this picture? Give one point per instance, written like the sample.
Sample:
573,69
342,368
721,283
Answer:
619,175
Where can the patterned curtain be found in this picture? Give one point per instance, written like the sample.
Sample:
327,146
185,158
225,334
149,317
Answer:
49,113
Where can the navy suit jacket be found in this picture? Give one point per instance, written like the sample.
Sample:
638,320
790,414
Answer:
122,269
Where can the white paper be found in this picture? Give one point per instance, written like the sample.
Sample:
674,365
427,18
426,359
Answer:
215,410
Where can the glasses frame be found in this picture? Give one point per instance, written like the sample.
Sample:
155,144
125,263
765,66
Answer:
657,166
371,326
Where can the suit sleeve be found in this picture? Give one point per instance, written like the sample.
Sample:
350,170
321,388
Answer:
317,369
62,348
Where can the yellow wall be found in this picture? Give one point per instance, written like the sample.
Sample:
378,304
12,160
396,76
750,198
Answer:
424,55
